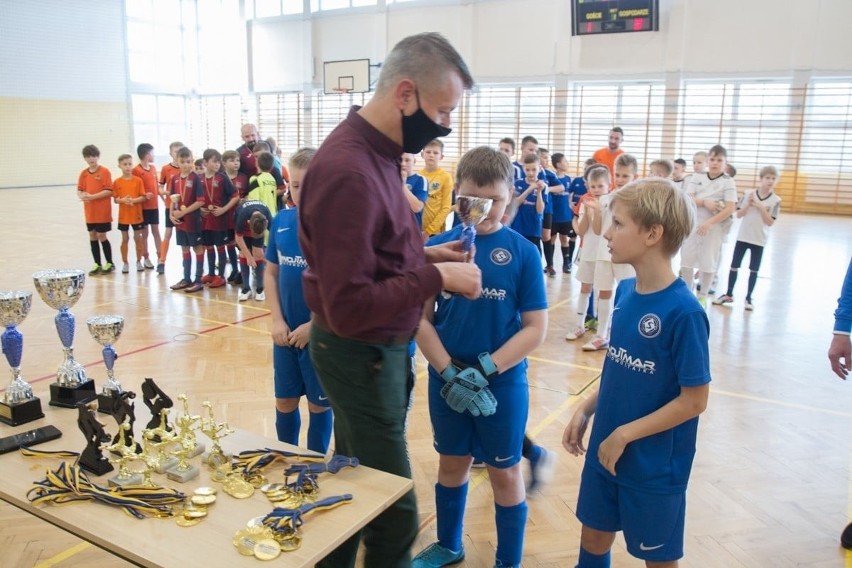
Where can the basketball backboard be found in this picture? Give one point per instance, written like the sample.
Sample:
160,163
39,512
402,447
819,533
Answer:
351,75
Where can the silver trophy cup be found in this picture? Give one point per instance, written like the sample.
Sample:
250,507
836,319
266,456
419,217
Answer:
19,405
106,331
60,289
471,210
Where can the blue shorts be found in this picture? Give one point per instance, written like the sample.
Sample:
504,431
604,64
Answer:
497,439
185,239
294,375
652,522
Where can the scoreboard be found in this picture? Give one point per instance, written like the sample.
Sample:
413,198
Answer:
591,17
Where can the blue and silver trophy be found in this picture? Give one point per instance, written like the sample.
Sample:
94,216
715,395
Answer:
60,289
471,211
106,331
19,405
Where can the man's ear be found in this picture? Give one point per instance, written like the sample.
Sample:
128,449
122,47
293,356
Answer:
404,92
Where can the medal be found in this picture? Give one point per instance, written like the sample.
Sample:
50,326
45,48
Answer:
185,522
203,499
267,549
205,491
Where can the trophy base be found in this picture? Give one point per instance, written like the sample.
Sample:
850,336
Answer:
21,412
197,451
90,462
166,465
182,475
215,459
122,481
106,404
70,397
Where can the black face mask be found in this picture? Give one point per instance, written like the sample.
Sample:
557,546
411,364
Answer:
418,130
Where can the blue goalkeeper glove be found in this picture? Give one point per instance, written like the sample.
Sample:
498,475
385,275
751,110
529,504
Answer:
468,389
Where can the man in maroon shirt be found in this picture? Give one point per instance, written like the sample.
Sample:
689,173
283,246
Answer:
248,162
368,274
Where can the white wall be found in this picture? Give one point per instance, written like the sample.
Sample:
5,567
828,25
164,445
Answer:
530,40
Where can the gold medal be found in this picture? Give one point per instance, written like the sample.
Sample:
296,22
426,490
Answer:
272,487
267,549
203,499
244,542
205,491
255,522
291,544
187,522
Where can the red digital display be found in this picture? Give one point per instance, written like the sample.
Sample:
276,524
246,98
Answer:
591,17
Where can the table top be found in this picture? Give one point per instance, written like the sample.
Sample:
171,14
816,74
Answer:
160,542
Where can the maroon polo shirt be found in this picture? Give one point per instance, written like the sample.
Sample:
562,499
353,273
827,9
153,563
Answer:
367,274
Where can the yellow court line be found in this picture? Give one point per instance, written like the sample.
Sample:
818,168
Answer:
64,555
557,304
199,297
780,402
563,363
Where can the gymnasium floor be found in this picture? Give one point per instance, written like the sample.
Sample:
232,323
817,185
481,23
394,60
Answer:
771,481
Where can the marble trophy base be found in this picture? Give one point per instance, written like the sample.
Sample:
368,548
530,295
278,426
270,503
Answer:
106,403
215,459
70,397
130,479
20,412
167,464
182,475
197,451
90,462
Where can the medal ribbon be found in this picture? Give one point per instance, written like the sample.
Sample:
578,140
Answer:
30,453
288,521
335,464
251,461
69,484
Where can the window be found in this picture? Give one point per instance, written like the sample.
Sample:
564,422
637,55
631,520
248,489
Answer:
280,116
826,144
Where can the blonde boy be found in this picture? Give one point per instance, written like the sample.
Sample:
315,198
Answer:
129,194
440,201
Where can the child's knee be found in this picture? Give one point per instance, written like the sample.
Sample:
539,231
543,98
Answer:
595,541
286,404
605,295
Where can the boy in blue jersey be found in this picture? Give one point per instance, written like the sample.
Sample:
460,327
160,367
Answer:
477,355
415,186
291,324
529,200
654,384
562,213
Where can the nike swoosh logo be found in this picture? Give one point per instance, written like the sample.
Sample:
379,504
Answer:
284,229
643,547
322,397
499,459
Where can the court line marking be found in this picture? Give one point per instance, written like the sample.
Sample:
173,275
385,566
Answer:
64,555
563,363
780,402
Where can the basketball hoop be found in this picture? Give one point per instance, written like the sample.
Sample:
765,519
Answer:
341,90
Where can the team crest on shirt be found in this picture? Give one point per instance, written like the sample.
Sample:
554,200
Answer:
501,256
650,326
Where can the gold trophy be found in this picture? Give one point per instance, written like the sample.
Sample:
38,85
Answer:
215,431
186,424
162,439
19,404
60,289
106,331
125,454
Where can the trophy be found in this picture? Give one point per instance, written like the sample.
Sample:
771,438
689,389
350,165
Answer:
158,439
186,425
106,330
125,454
19,405
91,458
124,411
471,210
215,430
175,199
157,401
60,289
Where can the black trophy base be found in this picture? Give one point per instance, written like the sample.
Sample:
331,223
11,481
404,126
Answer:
70,397
20,413
92,461
106,404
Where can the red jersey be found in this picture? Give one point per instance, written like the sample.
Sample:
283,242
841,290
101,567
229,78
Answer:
149,182
189,189
99,210
218,191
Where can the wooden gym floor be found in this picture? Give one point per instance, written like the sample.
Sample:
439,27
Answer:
771,482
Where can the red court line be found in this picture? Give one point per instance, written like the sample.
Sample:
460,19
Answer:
154,345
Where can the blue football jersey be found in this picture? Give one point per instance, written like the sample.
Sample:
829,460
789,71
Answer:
418,186
577,189
512,283
562,212
527,221
284,250
658,344
549,178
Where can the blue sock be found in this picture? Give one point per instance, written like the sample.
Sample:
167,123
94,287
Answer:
211,260
511,523
449,504
258,279
589,560
534,453
287,426
590,311
187,267
319,431
244,272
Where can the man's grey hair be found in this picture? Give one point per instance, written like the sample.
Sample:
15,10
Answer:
424,58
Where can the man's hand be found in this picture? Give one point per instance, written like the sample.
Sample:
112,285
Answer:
462,278
840,355
446,252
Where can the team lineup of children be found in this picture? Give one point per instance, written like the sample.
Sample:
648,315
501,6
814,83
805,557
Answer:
655,376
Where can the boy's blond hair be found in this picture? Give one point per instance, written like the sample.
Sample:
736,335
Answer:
655,201
301,158
627,161
436,142
700,154
485,166
768,171
595,172
175,145
123,157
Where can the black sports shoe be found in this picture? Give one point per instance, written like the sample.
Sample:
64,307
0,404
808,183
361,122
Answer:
846,537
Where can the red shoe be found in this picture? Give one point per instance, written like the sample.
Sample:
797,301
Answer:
217,282
207,279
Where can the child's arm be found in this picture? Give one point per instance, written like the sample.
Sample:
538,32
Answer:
597,217
539,198
280,329
726,212
583,218
530,336
764,212
415,204
575,431
743,205
226,207
95,196
429,342
247,254
690,403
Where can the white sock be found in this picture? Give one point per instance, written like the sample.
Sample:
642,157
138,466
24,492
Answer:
604,310
582,308
687,273
705,279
